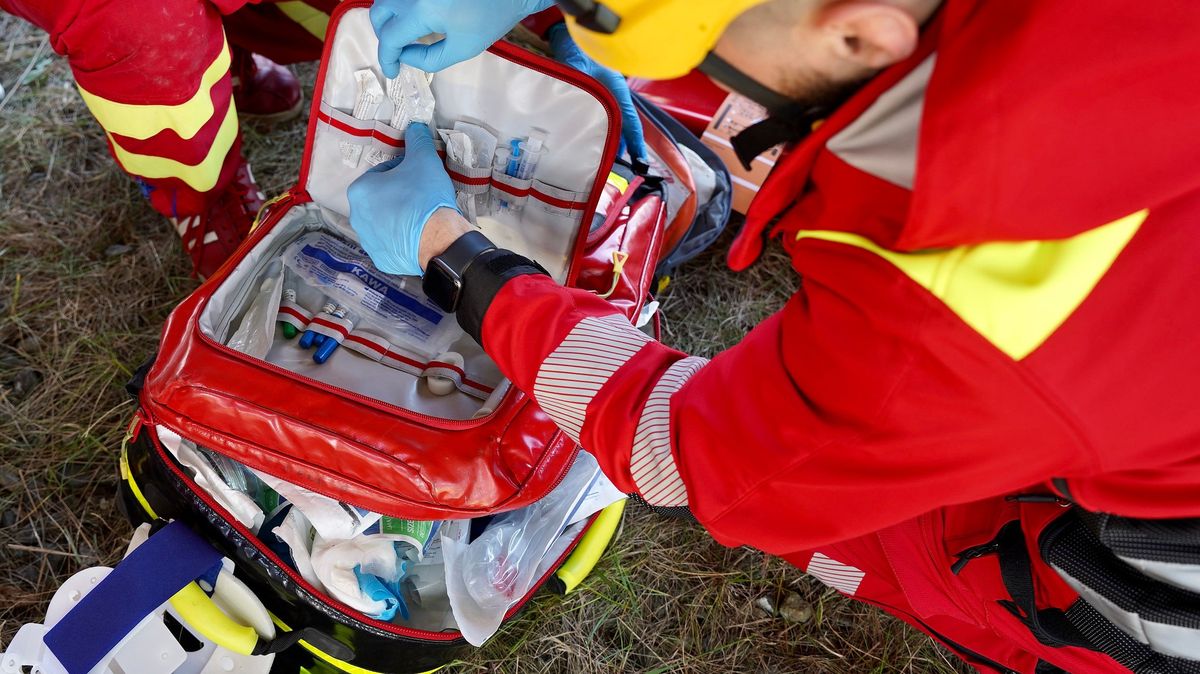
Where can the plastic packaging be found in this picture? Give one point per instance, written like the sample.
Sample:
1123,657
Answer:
370,94
345,274
460,149
255,333
289,528
214,478
488,575
530,153
342,565
388,594
333,520
412,99
482,140
379,561
499,565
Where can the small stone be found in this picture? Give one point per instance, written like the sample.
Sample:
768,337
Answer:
764,603
29,344
117,249
795,610
8,518
25,381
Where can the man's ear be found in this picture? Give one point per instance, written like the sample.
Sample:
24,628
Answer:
869,33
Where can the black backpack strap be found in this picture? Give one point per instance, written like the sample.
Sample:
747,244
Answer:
1143,622
138,381
1050,626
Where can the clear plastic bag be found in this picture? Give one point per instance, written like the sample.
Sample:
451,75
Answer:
344,273
412,99
257,329
490,574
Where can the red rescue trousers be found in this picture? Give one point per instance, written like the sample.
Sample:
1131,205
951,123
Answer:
906,570
157,78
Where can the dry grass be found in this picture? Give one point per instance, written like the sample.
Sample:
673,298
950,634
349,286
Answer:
87,274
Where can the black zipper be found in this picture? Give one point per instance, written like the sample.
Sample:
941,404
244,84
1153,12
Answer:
973,552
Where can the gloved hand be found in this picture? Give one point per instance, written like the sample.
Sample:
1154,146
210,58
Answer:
470,26
390,204
566,51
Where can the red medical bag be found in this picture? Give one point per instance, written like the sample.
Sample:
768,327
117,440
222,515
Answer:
364,428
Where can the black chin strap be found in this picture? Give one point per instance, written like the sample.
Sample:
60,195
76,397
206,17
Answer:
722,71
787,120
786,126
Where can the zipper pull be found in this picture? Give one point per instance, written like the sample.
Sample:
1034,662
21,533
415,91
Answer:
1038,498
973,552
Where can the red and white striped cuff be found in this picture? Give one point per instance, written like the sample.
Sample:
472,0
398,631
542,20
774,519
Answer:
651,463
569,379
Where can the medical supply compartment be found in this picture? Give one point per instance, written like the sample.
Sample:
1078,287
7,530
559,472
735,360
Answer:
357,429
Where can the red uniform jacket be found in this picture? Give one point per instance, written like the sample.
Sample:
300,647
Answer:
1015,303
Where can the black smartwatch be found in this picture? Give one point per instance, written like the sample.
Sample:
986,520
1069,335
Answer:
443,281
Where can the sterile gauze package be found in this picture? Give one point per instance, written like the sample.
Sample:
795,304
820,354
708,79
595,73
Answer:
411,97
460,149
333,519
344,273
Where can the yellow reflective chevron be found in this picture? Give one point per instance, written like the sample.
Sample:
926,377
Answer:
1015,294
200,177
143,121
618,181
310,18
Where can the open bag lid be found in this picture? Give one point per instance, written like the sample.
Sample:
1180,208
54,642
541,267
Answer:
509,92
349,446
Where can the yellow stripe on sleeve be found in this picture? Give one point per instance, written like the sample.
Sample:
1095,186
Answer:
144,121
310,18
201,177
1016,294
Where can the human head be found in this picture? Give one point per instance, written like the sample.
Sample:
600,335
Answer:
809,51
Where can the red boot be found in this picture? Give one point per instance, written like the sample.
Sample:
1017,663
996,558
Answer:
211,237
263,90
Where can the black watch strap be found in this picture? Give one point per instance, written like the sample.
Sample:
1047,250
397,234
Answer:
442,282
464,249
483,279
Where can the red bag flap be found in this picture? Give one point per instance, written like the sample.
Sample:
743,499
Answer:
620,262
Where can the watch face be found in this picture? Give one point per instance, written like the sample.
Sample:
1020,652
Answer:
442,285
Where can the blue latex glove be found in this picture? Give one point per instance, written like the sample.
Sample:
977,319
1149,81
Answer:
390,204
566,51
470,26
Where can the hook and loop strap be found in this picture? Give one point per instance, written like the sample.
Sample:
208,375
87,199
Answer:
143,581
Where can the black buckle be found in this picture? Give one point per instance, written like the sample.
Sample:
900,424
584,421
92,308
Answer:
592,15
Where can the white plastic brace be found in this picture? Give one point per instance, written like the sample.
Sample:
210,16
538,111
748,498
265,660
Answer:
150,648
